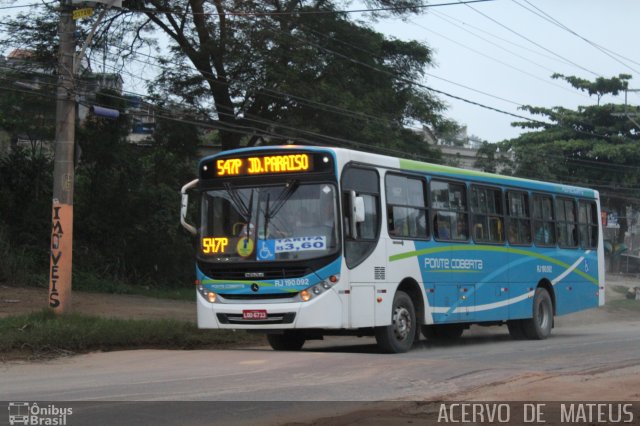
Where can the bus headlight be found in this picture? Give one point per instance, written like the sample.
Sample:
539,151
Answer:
208,295
318,289
305,295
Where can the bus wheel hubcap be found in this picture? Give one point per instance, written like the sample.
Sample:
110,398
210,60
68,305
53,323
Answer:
543,316
401,322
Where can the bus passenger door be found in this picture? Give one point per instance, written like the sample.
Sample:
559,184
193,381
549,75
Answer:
362,249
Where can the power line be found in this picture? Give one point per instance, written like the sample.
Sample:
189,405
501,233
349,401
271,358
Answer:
557,23
451,21
313,12
327,140
495,60
426,73
440,15
532,42
24,6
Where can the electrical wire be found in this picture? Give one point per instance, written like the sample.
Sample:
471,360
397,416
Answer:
532,42
312,12
557,23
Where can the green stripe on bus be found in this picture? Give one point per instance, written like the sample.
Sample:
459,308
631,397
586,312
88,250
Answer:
490,248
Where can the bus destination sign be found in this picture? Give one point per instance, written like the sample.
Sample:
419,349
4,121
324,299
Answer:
268,164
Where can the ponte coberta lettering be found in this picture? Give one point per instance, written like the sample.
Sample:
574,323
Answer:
453,264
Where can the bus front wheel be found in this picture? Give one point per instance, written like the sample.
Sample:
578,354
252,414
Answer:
398,337
539,326
287,341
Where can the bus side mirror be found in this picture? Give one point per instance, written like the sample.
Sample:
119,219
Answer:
356,213
358,210
183,208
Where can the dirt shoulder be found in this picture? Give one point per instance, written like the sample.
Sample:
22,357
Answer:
22,300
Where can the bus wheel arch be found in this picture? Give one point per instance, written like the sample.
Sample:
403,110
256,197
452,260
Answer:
546,284
539,326
412,289
398,337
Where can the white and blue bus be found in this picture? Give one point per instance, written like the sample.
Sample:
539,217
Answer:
301,242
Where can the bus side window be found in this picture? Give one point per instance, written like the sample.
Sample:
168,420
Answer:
366,184
519,222
406,207
566,222
449,205
487,214
588,224
544,220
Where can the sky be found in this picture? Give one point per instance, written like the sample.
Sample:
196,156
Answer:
499,54
504,50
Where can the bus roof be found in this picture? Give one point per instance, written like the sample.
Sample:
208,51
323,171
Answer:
347,155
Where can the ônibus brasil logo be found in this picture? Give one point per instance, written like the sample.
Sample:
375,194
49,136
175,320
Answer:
27,413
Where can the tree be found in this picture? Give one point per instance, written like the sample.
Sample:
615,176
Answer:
127,220
594,146
600,87
272,71
27,108
266,72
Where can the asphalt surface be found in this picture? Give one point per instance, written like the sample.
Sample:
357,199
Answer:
261,384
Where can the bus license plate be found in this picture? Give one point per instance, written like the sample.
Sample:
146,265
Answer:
254,315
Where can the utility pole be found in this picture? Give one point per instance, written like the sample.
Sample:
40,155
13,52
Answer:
63,172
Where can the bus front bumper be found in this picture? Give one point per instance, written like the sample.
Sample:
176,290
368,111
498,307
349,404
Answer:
323,311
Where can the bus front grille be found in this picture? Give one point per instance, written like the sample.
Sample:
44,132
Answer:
283,318
262,273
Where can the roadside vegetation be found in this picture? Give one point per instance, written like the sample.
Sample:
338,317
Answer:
44,335
622,303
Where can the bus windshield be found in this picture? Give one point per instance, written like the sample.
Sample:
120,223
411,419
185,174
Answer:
290,221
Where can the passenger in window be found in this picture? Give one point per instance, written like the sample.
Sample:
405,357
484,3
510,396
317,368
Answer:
543,235
574,236
441,230
513,232
461,230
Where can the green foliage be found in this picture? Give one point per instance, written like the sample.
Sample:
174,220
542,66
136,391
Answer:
600,87
44,333
126,208
308,77
127,202
25,216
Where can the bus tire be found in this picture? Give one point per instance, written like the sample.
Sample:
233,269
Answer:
443,331
288,341
398,337
538,327
515,329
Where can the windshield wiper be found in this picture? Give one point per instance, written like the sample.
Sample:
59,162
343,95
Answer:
286,193
266,215
237,201
248,218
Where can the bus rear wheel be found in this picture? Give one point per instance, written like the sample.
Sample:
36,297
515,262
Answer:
538,327
287,341
398,337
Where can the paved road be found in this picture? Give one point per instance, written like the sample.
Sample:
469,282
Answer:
337,369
